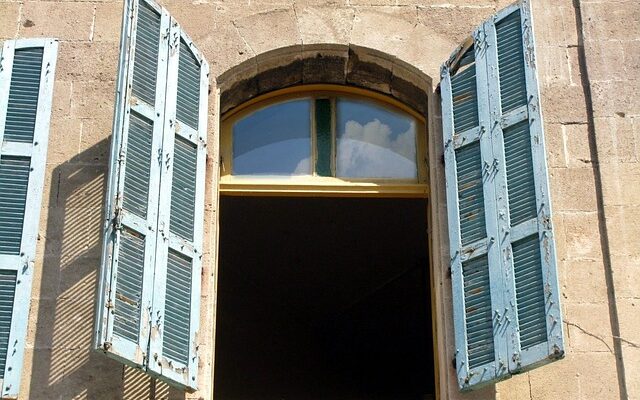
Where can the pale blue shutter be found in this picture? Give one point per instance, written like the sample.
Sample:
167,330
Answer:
126,291
150,305
506,300
176,305
27,69
524,209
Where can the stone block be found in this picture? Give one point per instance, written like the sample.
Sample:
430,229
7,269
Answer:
324,63
598,375
9,20
611,98
108,22
62,20
578,146
620,184
623,229
454,22
554,24
563,103
558,380
64,139
582,235
588,328
631,356
95,143
93,99
605,60
616,140
554,137
61,106
625,276
515,388
572,189
325,25
611,20
85,61
553,65
628,310
586,281
269,30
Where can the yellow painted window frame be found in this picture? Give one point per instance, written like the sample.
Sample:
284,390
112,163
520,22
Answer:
316,185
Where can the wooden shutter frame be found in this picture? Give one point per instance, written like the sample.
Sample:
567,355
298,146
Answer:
524,359
37,151
510,357
179,374
119,348
147,353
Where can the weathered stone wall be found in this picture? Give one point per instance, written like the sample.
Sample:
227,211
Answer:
589,68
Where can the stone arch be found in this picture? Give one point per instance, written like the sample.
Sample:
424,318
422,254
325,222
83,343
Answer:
339,64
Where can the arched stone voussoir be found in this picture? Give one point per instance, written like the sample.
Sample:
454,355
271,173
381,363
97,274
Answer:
328,63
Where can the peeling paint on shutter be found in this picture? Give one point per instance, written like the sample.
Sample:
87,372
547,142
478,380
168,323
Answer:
470,193
128,299
477,300
27,72
465,99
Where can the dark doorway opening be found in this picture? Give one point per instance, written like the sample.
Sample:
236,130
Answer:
323,298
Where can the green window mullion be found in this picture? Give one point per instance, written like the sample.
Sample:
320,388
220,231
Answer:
323,137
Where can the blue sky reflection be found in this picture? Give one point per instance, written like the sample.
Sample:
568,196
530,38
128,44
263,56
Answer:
275,140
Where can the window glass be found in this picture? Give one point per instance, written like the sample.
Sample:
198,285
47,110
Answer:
374,142
275,140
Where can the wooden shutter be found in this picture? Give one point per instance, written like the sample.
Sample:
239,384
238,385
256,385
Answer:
27,69
134,180
504,284
150,283
176,305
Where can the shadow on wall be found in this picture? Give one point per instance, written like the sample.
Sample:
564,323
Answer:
64,364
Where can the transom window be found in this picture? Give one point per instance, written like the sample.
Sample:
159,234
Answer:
331,140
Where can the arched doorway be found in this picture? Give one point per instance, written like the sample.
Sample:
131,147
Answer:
323,275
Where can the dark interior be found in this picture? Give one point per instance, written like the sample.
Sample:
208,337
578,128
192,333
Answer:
323,298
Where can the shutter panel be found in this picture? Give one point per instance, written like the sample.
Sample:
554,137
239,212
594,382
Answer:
480,344
176,307
132,200
504,282
528,247
149,311
27,69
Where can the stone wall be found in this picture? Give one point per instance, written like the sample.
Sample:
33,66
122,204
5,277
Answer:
589,68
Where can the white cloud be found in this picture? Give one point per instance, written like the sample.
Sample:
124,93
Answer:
370,151
303,167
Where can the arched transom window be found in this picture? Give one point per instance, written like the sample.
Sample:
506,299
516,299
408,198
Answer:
330,141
